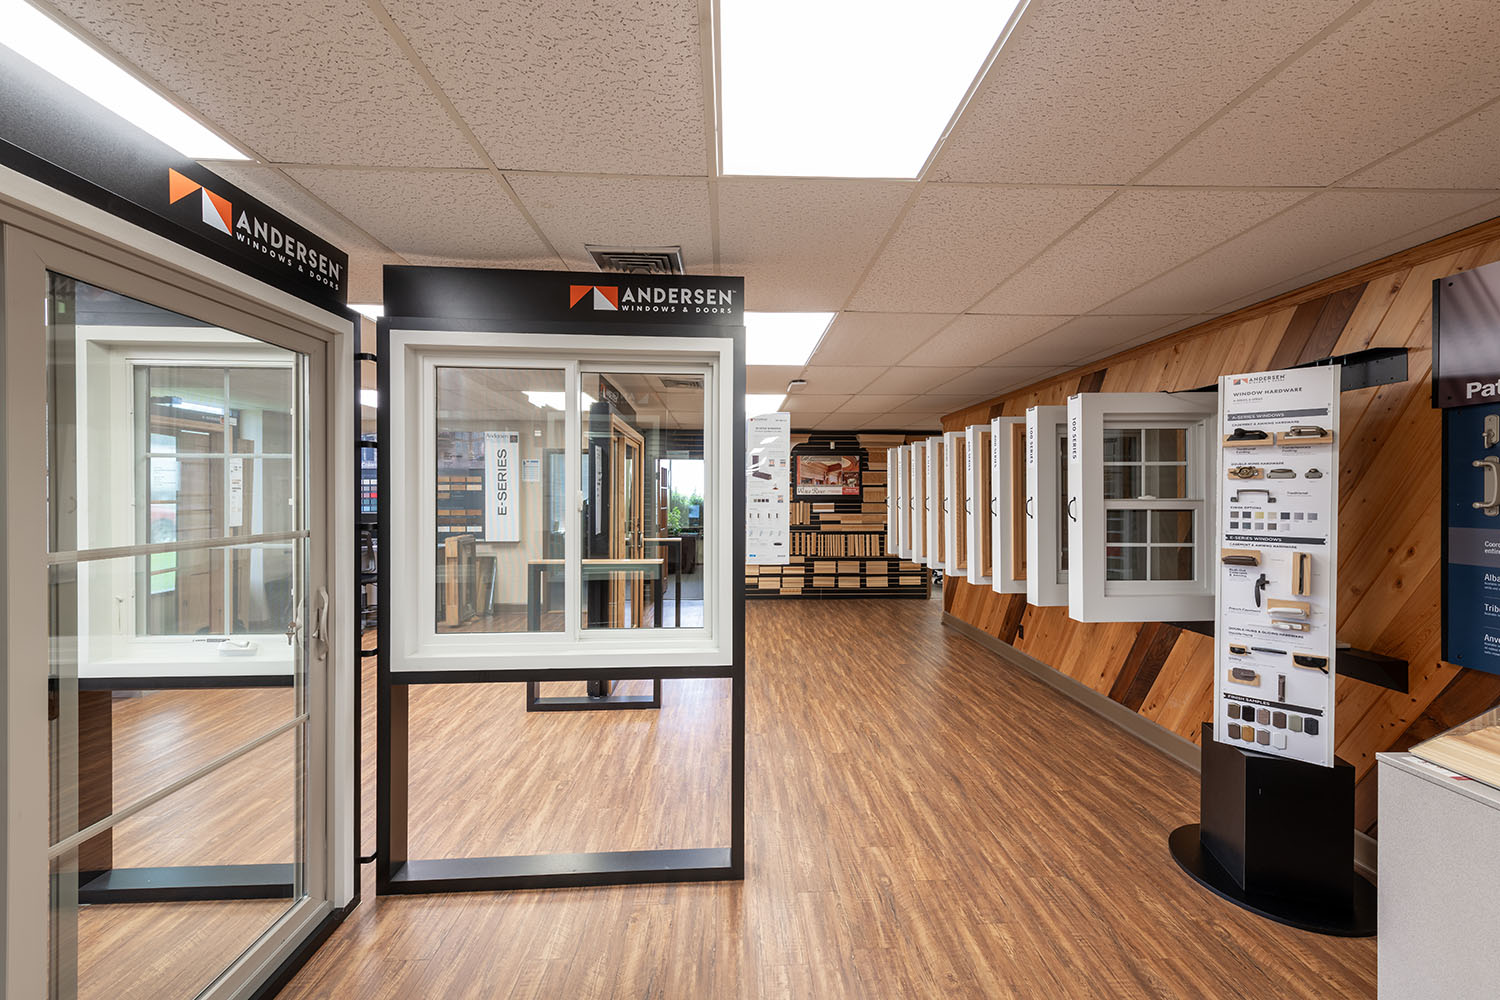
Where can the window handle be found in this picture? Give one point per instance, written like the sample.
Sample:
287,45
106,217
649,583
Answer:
1071,502
1029,514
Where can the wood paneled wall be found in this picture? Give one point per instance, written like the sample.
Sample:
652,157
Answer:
839,545
1389,510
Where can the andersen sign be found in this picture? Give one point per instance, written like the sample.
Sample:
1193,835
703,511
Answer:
475,293
65,140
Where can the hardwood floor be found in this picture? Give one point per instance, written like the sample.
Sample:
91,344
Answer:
923,821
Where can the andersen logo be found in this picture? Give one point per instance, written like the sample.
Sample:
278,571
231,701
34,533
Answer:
653,299
253,232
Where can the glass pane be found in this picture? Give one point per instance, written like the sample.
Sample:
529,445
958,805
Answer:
1166,444
1165,482
167,657
245,814
1122,482
1171,526
1125,562
1122,444
1125,525
645,510
498,544
1062,505
1171,562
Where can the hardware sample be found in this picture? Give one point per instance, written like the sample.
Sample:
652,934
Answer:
1281,474
1311,661
1302,574
1260,585
1244,675
1291,609
1246,436
1246,472
1240,557
1244,493
1238,650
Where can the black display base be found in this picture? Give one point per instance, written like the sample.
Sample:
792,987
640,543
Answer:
1357,919
592,702
565,871
192,883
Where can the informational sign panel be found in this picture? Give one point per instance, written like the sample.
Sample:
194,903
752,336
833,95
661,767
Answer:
1471,535
1466,338
236,518
1275,624
768,512
502,521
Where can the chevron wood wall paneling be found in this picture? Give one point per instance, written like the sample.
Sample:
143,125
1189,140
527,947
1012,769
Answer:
1389,516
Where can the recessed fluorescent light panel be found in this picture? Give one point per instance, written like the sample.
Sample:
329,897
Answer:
783,338
757,403
847,88
37,38
369,311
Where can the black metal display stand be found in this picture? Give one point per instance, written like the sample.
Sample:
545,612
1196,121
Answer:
1277,838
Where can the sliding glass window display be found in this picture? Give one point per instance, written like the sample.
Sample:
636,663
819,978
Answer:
1140,488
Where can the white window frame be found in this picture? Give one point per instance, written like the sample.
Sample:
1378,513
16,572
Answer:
933,506
890,503
899,481
1093,598
1003,542
1046,587
981,513
42,225
918,470
955,498
417,646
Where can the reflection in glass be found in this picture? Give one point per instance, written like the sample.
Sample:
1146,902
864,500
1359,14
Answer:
1062,501
500,506
1172,562
1125,525
1125,562
644,511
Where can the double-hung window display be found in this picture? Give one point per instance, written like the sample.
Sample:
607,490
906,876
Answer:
1006,471
1046,506
937,500
979,503
1139,493
917,475
955,502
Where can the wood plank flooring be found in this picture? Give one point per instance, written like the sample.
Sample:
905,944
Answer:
923,821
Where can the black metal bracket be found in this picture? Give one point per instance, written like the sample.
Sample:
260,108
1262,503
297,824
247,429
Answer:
1361,369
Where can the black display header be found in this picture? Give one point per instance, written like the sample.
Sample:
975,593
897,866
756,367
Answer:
55,134
1466,338
482,293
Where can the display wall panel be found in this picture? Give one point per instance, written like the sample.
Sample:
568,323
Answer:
1046,506
979,503
1008,485
1141,488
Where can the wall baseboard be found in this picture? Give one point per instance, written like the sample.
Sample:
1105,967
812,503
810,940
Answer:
1185,752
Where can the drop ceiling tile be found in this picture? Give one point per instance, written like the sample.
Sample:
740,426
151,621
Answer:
453,215
975,340
874,403
984,382
298,82
613,86
798,402
928,421
1459,156
770,378
525,263
1330,226
367,276
802,244
859,338
840,378
276,189
1387,76
619,211
1083,338
1137,236
913,379
1121,84
958,241
936,402
1013,377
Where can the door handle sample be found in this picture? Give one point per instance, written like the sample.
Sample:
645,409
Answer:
1490,502
1492,430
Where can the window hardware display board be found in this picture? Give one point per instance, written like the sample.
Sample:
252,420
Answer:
1275,624
768,519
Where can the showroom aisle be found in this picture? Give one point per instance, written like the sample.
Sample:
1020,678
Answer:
924,821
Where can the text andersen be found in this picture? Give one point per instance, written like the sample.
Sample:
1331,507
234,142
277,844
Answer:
287,249
676,299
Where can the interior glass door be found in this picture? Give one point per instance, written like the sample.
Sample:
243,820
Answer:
185,591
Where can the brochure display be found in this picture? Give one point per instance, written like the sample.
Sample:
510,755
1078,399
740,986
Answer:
768,519
1275,637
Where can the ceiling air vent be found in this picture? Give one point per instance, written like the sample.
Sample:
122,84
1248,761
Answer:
637,260
681,383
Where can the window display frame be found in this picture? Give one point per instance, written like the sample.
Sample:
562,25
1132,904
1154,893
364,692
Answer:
531,315
979,500
1046,482
917,476
936,503
1092,597
955,502
1007,534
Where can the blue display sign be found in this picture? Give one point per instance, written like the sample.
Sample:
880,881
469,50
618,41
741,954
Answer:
1471,537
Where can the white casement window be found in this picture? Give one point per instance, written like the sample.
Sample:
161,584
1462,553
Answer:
1139,493
901,483
1008,490
936,554
917,462
1046,506
955,501
979,507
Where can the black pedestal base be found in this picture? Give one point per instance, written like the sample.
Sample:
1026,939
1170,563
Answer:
1355,920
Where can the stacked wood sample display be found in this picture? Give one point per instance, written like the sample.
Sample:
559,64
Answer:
838,545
